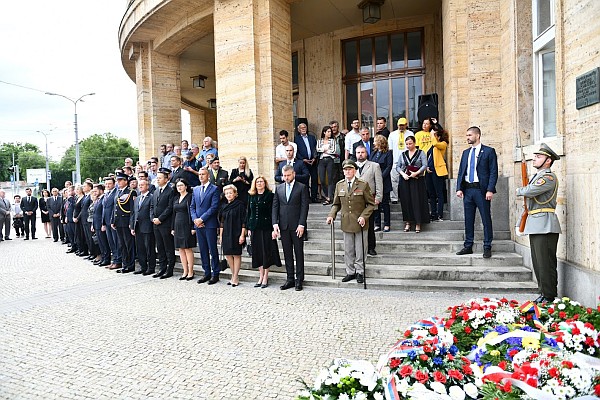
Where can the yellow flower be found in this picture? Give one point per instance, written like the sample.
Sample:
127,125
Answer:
531,343
494,353
566,299
487,338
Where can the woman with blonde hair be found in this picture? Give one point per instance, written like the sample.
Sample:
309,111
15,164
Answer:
232,234
241,177
384,157
258,221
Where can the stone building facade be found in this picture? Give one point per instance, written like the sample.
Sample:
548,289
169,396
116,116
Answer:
508,66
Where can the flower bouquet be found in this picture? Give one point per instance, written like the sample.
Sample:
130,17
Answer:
345,380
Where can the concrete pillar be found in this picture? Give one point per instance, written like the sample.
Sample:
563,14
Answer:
253,79
159,100
197,125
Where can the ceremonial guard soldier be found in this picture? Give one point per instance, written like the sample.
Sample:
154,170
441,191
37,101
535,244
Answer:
542,225
123,207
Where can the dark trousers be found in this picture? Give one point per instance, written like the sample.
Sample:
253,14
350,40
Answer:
18,225
5,226
145,245
126,243
70,231
326,166
87,234
113,244
55,221
543,258
435,192
475,199
103,245
384,207
29,221
165,246
293,246
371,234
207,242
314,188
80,237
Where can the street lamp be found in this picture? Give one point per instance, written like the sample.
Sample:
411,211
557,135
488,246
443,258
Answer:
47,167
77,161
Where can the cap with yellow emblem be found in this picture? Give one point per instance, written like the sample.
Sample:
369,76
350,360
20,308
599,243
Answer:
547,151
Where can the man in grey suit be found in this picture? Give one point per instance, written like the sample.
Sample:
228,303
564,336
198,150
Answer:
4,217
370,172
290,210
542,224
54,204
142,229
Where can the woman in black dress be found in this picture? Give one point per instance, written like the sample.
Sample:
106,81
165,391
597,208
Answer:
79,233
182,228
264,249
384,157
232,234
241,177
411,188
44,211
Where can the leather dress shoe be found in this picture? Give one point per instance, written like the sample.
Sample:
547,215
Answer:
26,238
167,275
33,238
464,250
6,238
97,262
138,272
70,251
348,278
124,271
487,253
90,257
84,254
104,263
360,278
287,285
298,287
146,273
213,280
205,278
372,252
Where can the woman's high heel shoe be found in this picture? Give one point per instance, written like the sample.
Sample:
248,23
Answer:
406,227
189,278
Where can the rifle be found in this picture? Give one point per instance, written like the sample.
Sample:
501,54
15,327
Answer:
525,181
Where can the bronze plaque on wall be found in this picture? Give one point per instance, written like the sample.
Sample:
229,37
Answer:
587,88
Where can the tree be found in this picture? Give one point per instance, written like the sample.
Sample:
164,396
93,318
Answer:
99,154
27,155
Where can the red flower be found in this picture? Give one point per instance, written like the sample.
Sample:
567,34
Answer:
532,381
468,330
553,372
597,390
588,310
551,310
439,376
589,341
450,357
455,374
506,387
529,317
503,364
427,349
467,370
406,370
394,362
513,353
407,334
433,330
588,325
421,376
562,315
567,364
488,315
423,357
576,317
575,331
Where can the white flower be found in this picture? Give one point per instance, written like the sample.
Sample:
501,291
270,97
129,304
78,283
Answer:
378,396
360,396
438,387
471,390
456,393
561,306
344,396
402,387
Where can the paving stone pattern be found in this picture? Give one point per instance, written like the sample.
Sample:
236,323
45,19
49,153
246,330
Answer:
70,330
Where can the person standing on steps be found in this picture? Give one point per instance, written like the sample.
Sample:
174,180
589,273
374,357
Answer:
29,205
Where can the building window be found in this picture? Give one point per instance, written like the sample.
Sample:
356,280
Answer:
383,77
544,68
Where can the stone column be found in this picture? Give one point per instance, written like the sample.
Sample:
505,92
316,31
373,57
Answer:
253,79
197,125
159,100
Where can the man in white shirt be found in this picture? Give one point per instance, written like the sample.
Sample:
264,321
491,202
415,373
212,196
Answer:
352,137
280,154
396,143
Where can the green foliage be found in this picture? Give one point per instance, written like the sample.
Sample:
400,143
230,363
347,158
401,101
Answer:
27,155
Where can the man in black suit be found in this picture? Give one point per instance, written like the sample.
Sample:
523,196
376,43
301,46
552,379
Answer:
120,223
83,217
476,185
97,227
290,210
142,229
54,205
302,173
29,205
307,152
161,212
366,141
217,175
108,210
176,170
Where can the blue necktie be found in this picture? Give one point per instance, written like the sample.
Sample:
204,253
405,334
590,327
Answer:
288,191
202,193
368,149
472,165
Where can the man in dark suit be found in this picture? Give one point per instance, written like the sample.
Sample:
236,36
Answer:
302,173
290,210
476,185
69,210
217,175
161,213
83,217
29,205
97,227
120,223
366,141
307,152
108,210
176,170
143,230
54,205
204,207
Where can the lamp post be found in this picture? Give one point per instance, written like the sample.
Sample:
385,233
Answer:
77,161
47,166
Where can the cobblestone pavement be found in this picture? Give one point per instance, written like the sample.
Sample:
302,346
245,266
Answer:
72,330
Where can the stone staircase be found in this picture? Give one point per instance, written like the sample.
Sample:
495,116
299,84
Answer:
406,260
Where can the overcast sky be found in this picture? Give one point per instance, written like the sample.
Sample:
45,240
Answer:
68,47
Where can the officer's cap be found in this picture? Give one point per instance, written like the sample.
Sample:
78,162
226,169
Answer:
547,151
121,175
164,170
349,164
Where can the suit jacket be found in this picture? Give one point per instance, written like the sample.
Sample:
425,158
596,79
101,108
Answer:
386,163
293,212
487,169
85,205
358,202
361,143
180,173
207,206
70,209
161,206
302,152
371,173
29,205
302,173
5,208
222,178
541,193
140,220
54,206
98,211
108,207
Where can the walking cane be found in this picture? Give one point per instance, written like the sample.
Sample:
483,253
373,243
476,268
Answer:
362,243
332,250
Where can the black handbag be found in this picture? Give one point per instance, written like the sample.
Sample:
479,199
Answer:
222,260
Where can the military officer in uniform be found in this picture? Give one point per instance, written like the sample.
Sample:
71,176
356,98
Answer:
354,198
123,207
542,225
